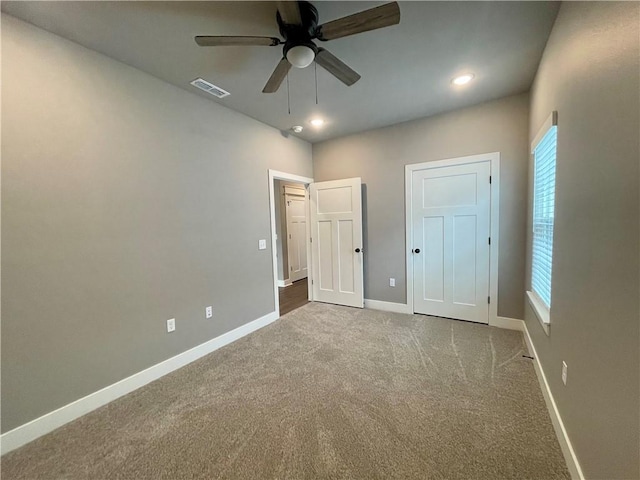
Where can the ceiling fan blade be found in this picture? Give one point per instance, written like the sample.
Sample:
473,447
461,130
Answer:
336,67
230,41
372,19
277,76
290,12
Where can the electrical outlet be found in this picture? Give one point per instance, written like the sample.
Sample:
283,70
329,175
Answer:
171,325
392,282
208,312
262,244
564,372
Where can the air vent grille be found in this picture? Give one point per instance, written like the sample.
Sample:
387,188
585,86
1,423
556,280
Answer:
209,88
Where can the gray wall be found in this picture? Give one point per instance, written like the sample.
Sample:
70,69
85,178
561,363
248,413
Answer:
125,201
379,157
590,74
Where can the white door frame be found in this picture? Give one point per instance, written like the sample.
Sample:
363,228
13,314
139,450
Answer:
494,216
276,175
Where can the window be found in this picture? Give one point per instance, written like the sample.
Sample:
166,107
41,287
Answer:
544,186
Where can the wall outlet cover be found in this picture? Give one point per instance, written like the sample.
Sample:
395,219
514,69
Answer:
392,282
208,312
171,325
262,244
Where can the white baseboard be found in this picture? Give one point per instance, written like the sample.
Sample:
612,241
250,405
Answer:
563,438
387,306
284,283
36,428
507,323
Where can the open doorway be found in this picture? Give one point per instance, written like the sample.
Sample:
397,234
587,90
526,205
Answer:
291,246
333,239
290,240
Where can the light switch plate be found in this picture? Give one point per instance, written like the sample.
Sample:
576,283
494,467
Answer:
262,244
392,282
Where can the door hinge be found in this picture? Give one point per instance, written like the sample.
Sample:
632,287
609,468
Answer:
311,282
291,269
489,179
311,240
488,299
489,240
289,235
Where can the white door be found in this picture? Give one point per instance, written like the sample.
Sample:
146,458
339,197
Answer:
296,214
336,242
450,215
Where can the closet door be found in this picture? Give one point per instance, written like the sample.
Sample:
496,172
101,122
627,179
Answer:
450,219
296,208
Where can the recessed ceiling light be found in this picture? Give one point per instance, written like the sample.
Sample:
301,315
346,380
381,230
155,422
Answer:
296,128
463,79
317,122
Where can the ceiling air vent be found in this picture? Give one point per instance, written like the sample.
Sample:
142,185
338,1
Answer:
209,88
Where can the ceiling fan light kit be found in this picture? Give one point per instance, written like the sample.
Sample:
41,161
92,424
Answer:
298,24
301,56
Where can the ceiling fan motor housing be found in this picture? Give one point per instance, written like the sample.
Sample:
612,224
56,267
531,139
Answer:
296,35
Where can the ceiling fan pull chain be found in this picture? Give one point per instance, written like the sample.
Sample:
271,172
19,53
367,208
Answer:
288,96
315,72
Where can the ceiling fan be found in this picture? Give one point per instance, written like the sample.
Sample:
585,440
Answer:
298,23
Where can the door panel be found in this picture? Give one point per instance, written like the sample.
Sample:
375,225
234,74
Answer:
464,259
302,246
335,200
346,255
336,233
450,219
324,241
433,258
449,191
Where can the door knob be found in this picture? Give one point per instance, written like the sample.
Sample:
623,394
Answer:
417,250
357,250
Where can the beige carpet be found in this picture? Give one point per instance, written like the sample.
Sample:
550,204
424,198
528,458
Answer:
326,392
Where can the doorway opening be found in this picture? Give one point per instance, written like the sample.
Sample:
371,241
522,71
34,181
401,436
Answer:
289,211
291,245
332,241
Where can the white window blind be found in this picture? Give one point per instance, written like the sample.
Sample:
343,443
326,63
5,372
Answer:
543,214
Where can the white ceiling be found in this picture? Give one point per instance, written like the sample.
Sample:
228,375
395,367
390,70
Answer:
406,69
